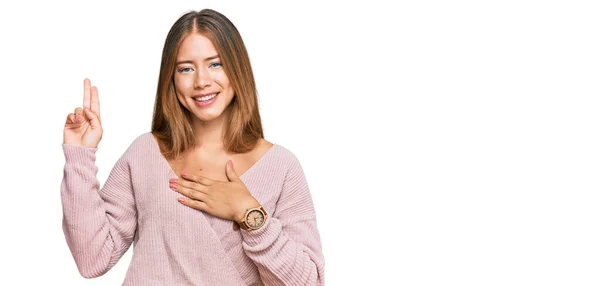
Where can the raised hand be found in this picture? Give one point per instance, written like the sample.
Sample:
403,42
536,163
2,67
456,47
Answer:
83,127
226,200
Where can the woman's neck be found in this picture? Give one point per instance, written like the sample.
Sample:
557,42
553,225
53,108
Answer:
209,134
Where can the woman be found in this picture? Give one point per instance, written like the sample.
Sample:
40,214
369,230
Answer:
205,199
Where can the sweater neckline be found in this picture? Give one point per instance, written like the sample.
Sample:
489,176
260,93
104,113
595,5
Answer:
165,162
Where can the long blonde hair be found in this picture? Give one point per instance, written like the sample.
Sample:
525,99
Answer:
171,122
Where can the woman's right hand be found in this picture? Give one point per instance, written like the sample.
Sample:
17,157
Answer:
83,127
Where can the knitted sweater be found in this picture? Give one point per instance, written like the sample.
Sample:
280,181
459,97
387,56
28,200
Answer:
176,245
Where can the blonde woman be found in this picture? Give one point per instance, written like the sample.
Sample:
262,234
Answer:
203,197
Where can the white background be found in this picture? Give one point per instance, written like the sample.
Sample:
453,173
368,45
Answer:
445,142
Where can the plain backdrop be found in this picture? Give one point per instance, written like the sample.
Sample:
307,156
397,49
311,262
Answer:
444,142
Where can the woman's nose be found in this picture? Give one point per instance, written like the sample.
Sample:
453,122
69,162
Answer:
202,79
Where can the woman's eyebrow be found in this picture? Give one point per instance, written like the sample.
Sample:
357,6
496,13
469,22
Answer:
191,62
185,62
211,58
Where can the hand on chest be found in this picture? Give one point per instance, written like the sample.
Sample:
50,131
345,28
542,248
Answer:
211,186
212,166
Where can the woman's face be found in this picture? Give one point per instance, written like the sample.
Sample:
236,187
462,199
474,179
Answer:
200,81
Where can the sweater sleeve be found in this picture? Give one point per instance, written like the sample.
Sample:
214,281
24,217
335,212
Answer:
99,224
287,249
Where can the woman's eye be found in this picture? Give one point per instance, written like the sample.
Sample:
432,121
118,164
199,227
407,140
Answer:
185,69
215,65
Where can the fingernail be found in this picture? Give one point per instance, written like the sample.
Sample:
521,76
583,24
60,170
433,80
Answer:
183,174
229,163
181,199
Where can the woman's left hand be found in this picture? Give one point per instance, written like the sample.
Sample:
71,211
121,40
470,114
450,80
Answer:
226,200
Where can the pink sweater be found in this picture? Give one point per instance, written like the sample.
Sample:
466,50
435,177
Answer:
177,245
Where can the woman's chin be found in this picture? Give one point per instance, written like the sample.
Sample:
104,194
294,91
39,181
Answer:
207,117
210,113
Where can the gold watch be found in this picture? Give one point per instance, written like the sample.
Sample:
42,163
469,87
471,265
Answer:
253,219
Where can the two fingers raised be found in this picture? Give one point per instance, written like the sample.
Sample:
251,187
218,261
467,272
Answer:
90,101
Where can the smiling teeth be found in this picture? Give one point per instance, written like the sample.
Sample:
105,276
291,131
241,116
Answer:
205,98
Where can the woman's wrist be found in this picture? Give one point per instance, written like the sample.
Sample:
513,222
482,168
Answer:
243,207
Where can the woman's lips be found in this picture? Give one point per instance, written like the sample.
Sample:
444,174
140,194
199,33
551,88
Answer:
207,102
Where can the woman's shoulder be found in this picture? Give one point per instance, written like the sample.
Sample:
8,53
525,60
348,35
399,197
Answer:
141,144
281,155
143,140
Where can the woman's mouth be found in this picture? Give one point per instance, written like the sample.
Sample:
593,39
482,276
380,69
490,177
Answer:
204,100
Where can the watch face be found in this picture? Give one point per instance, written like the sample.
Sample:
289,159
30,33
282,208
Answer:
255,219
